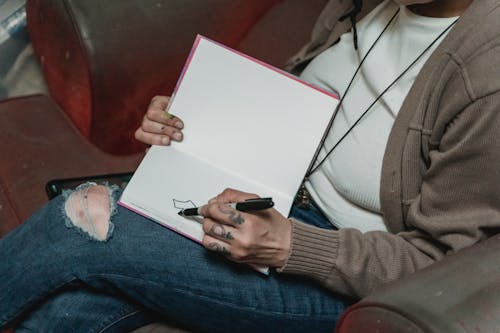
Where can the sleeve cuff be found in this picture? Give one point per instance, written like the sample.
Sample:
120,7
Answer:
313,251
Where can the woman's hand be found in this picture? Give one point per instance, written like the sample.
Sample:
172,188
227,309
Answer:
159,127
257,238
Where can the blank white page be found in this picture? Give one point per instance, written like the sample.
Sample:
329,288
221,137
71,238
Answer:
249,118
247,126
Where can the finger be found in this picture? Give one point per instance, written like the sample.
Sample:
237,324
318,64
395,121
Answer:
231,195
152,139
212,244
161,116
219,231
159,102
223,214
157,112
153,127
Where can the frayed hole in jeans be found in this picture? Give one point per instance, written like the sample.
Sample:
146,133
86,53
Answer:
89,208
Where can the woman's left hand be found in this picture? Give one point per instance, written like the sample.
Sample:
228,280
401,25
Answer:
257,238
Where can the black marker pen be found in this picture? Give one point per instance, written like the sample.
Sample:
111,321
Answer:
244,206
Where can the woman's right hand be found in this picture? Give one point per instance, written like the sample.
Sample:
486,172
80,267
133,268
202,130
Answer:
159,127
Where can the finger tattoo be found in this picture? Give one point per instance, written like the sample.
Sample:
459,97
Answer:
218,230
216,247
234,215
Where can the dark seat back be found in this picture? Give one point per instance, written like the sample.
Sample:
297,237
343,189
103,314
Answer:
104,60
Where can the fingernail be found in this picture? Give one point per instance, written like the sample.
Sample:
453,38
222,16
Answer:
179,125
177,136
168,115
165,141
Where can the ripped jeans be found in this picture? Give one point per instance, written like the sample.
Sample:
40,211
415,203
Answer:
114,277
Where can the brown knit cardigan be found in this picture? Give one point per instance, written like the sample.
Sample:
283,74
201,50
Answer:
440,184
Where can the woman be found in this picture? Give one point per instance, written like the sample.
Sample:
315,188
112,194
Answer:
413,179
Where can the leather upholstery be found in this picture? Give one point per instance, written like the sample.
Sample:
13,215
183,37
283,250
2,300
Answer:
461,293
111,57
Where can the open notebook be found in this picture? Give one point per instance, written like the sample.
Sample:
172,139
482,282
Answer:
248,126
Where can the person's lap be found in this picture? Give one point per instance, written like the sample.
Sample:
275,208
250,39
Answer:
167,273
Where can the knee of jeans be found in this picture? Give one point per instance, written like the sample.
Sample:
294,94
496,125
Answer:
89,208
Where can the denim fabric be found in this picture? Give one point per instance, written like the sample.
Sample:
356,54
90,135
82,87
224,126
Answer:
85,310
71,283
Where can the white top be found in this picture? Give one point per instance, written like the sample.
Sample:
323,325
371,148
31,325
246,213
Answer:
346,187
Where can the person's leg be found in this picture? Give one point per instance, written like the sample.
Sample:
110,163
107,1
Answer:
85,310
157,267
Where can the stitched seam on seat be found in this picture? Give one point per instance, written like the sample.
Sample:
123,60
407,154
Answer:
9,201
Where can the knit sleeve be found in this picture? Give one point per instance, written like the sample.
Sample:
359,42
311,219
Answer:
349,262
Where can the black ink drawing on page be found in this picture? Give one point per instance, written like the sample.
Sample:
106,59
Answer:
179,204
183,204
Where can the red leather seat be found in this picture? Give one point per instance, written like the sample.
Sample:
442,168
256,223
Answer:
104,61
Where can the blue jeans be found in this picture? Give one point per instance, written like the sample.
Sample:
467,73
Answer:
55,279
